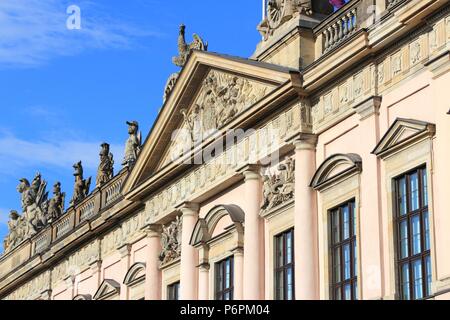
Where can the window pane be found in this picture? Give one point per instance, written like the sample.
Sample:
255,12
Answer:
280,285
402,196
426,226
405,281
424,188
416,235
414,187
354,219
404,244
289,251
355,259
228,274
355,290
280,251
337,265
335,227
346,222
428,274
347,292
347,262
290,284
418,282
337,294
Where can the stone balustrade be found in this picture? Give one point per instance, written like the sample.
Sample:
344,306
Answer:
42,241
64,225
87,211
339,26
112,192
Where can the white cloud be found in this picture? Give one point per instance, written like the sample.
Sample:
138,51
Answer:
16,153
34,31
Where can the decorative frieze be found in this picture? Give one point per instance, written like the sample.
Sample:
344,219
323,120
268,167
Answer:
32,290
171,241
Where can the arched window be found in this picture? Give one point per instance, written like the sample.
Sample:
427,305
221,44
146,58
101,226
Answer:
135,281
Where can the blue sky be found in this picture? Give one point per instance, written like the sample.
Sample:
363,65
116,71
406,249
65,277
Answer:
63,92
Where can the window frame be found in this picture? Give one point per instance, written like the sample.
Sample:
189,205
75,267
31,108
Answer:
285,266
398,219
352,241
173,291
219,293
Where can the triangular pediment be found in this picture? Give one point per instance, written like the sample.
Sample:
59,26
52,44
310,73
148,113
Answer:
402,132
108,289
210,92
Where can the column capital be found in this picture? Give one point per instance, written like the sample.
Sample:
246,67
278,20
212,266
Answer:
124,250
204,267
250,172
95,266
239,251
305,141
368,107
152,230
188,208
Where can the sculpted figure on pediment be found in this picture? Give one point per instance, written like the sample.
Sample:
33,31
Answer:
82,186
56,204
133,144
106,168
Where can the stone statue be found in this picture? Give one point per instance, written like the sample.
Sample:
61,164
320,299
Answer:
171,241
15,236
185,49
106,168
133,144
82,186
56,204
279,188
280,11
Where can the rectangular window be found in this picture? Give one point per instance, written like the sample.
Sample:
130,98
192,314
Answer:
343,252
173,291
225,279
284,266
413,235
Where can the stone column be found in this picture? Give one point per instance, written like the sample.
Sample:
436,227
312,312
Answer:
203,281
189,255
253,237
306,232
153,278
238,274
124,267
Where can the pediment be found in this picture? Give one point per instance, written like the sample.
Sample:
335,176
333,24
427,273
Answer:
108,288
336,168
210,92
401,133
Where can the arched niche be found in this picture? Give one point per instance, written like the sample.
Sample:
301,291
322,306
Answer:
336,168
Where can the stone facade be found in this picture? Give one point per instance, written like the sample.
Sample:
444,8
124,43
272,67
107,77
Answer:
332,107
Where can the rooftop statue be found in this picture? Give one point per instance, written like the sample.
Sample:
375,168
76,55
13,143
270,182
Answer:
82,186
56,204
133,144
280,11
184,49
106,168
35,212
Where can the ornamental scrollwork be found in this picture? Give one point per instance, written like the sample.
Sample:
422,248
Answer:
171,242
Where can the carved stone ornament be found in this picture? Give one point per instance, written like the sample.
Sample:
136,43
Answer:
222,97
133,144
171,242
106,168
82,186
184,50
280,11
279,188
56,204
35,208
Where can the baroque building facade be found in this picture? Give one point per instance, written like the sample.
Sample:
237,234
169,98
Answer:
315,169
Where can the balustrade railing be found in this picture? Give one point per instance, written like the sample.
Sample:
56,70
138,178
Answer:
42,241
87,210
112,192
64,226
340,26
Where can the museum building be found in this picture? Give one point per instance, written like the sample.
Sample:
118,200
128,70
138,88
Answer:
315,169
